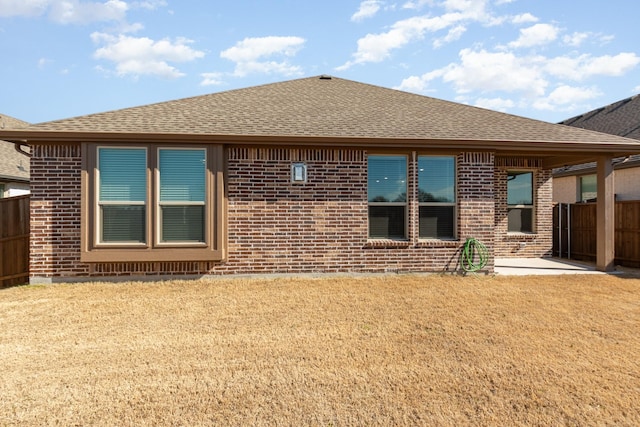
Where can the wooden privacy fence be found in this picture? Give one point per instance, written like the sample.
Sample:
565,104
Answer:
14,240
574,232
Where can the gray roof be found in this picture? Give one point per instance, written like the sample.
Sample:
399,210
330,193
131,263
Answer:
621,118
325,110
14,166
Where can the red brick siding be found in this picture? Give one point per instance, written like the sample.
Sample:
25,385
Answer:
476,199
55,211
538,244
275,226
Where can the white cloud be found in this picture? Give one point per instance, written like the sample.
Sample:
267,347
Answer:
251,55
472,8
584,66
378,47
530,76
636,89
575,39
211,79
76,12
43,62
417,4
368,8
419,84
454,34
149,4
536,35
497,104
138,56
566,98
23,7
67,11
524,18
482,71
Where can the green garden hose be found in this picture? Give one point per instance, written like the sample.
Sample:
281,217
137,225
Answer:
474,255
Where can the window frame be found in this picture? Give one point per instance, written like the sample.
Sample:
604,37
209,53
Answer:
98,203
453,204
531,207
212,249
404,204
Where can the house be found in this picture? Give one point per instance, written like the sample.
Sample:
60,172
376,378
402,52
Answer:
14,165
314,175
577,183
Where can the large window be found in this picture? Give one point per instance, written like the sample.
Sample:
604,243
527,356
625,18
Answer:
588,188
520,201
437,197
152,203
387,195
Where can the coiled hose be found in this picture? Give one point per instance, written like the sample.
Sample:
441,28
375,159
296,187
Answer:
474,255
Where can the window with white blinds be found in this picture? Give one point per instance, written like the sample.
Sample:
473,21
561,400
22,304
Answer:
182,195
122,195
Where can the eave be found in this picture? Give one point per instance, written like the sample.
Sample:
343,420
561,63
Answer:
555,153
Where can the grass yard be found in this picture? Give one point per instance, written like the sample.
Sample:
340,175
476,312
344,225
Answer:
383,350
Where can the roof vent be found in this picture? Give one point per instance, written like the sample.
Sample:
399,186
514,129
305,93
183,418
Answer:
325,77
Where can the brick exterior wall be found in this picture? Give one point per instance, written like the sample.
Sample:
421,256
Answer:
540,243
55,212
275,226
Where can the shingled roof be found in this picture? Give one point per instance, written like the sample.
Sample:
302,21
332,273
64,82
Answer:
621,118
13,165
325,110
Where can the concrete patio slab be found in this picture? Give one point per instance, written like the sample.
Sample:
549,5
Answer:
537,266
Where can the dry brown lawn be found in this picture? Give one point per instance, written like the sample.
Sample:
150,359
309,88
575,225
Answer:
383,350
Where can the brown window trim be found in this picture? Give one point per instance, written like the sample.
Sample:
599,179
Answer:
214,248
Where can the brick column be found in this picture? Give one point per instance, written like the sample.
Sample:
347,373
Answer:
476,200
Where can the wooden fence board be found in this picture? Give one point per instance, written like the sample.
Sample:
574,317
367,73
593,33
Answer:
14,240
580,234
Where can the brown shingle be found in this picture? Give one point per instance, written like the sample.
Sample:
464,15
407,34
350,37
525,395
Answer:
320,107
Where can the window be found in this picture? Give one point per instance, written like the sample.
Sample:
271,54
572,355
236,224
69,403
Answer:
588,188
1,191
153,203
387,195
122,195
182,190
437,197
520,202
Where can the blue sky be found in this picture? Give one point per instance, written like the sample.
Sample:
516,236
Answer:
543,59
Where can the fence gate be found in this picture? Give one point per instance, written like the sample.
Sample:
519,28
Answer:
14,240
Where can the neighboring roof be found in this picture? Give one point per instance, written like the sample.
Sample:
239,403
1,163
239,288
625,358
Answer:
326,110
13,165
622,118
